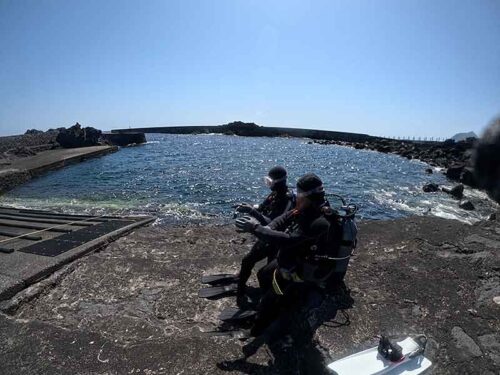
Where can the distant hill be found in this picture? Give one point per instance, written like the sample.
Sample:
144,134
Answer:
463,136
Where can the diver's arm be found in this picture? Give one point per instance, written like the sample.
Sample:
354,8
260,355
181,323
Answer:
276,237
263,220
280,223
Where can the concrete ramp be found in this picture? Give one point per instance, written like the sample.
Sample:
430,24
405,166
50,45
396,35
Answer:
33,243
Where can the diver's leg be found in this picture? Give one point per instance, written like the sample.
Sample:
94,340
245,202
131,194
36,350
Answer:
256,254
265,275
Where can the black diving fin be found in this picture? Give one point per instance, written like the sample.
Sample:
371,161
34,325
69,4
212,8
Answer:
234,314
219,279
218,291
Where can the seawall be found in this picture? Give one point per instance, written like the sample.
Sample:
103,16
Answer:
255,131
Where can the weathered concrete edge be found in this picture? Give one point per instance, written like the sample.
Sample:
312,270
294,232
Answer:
10,290
28,174
35,172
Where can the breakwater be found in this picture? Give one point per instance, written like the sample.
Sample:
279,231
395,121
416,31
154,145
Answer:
254,130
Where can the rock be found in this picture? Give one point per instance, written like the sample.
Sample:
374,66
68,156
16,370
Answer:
33,131
491,344
76,136
490,341
429,171
488,292
22,151
123,139
493,216
467,347
449,143
430,188
455,171
466,205
455,192
467,177
487,159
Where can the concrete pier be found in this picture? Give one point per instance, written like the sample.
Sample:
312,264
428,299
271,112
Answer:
17,171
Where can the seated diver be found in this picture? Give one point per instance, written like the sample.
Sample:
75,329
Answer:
279,201
296,233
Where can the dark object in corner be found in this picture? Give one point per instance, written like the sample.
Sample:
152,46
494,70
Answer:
487,160
430,188
76,136
466,205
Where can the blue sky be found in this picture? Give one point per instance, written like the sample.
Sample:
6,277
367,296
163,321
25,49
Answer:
390,68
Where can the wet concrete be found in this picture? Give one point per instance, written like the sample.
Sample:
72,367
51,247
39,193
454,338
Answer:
133,307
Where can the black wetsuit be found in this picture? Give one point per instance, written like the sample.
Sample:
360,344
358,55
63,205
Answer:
277,203
295,235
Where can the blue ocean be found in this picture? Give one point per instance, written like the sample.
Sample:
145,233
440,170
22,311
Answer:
199,177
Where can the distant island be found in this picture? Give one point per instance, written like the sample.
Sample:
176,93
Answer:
463,136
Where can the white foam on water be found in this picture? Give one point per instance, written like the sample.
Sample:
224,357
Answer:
114,207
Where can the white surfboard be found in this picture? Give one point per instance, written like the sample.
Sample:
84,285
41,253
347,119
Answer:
370,362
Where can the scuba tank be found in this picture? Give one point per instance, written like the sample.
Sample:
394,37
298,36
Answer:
330,264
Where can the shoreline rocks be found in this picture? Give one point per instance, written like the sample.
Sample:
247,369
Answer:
76,136
456,192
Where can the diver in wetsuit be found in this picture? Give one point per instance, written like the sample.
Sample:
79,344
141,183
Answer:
297,234
279,201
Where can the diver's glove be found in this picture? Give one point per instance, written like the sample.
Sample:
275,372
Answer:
246,224
244,208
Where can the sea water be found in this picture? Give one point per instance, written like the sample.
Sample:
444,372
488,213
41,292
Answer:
199,177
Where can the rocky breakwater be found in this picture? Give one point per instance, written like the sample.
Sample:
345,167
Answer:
471,162
455,157
124,139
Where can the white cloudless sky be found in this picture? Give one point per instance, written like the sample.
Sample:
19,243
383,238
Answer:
390,68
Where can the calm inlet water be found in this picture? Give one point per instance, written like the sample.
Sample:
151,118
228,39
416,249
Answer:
200,176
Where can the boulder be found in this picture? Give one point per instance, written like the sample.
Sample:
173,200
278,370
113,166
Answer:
430,188
429,171
467,347
493,216
486,160
466,205
455,192
76,136
467,177
455,171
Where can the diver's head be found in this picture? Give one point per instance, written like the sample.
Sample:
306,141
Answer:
276,178
310,192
